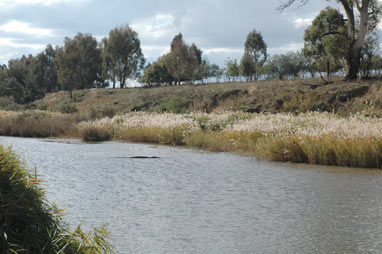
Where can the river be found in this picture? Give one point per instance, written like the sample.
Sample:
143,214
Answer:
190,201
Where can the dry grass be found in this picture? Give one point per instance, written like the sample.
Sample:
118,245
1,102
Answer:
37,124
319,138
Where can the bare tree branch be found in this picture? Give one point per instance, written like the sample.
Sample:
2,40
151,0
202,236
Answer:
290,2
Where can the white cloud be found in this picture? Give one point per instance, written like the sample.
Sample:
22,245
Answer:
154,51
208,51
157,27
12,3
300,22
15,26
14,43
286,48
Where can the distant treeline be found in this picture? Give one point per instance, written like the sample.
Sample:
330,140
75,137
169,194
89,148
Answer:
82,62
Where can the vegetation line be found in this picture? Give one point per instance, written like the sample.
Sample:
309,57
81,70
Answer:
317,138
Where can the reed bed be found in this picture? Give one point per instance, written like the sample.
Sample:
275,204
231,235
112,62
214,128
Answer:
317,138
37,124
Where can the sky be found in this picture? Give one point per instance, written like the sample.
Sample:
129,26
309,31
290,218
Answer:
218,27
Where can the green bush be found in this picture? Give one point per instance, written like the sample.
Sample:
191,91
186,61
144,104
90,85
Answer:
95,134
174,104
29,224
68,108
101,113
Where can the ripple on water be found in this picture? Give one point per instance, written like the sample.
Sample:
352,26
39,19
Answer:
190,201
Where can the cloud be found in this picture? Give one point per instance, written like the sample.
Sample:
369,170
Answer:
209,51
300,22
152,52
15,26
157,27
12,3
14,43
286,48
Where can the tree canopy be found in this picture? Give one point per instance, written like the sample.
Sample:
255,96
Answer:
362,16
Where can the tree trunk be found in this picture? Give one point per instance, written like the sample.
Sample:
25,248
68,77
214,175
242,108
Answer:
353,64
328,69
357,41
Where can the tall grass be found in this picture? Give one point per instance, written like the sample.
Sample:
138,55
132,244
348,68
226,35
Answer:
37,124
319,138
28,224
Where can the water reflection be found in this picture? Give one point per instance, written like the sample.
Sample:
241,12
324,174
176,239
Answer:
198,202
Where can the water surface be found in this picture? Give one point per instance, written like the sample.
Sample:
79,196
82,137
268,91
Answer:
190,201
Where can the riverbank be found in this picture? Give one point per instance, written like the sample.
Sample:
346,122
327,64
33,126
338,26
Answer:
273,96
315,138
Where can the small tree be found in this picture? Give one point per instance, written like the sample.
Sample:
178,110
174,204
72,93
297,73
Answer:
157,73
255,55
368,54
232,69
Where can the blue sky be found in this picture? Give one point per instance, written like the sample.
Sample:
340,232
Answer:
218,27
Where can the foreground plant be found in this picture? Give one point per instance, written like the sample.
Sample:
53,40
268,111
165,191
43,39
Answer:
29,224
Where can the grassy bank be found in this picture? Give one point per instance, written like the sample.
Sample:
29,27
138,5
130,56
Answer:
274,96
29,224
316,138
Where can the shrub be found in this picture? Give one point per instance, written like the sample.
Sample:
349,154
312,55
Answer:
95,134
174,104
100,113
68,108
29,224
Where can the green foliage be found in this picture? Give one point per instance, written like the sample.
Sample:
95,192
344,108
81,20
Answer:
184,62
68,108
95,134
7,103
289,64
248,67
78,62
96,113
369,55
255,55
157,73
174,104
326,42
45,70
29,224
232,69
123,55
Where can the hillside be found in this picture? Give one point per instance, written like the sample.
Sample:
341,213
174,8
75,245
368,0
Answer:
262,96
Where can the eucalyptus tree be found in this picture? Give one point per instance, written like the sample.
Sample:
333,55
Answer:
255,55
325,41
232,69
45,70
157,73
78,62
123,51
361,17
184,62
